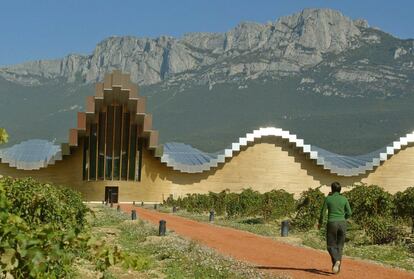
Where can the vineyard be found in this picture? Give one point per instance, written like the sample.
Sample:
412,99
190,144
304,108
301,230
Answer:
46,231
41,229
379,219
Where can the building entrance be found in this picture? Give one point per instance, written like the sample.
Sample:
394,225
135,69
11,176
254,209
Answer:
111,194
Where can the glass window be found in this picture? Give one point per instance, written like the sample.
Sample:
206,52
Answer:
101,145
125,146
92,153
132,155
109,142
140,144
85,158
112,149
117,141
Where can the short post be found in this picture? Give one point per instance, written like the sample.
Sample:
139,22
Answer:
155,206
103,202
211,217
174,209
142,204
118,208
133,214
162,228
284,229
133,203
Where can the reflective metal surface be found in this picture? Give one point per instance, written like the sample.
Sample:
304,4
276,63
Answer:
186,158
31,155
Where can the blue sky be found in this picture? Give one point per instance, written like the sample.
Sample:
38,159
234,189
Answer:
47,29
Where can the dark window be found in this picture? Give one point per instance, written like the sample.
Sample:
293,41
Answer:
117,141
85,158
112,149
92,153
101,145
133,151
140,144
125,147
109,142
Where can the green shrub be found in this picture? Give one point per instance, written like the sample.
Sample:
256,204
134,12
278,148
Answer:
233,208
199,203
404,203
382,230
308,209
369,201
41,203
27,250
250,202
218,202
276,204
170,201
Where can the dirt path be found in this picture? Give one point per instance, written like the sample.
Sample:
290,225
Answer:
265,253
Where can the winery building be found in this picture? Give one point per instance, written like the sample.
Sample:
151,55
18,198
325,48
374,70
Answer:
113,153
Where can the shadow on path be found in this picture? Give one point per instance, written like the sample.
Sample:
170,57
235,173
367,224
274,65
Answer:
310,270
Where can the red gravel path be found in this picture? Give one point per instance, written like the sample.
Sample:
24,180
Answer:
268,254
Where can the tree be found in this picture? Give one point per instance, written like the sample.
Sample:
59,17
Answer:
4,137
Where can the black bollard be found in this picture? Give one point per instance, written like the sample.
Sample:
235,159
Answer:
103,202
142,204
211,217
133,203
163,228
155,206
174,209
133,214
284,229
118,208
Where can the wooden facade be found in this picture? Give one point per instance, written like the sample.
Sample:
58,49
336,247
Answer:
269,163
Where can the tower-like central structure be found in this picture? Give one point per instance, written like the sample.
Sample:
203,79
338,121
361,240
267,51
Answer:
113,131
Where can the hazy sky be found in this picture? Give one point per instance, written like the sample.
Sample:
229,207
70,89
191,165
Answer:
46,29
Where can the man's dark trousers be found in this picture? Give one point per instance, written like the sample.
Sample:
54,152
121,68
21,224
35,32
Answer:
335,238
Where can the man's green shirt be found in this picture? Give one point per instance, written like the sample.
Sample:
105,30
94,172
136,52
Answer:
338,208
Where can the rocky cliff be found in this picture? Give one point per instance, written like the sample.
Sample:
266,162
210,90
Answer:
282,47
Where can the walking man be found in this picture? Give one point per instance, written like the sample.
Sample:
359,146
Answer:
338,211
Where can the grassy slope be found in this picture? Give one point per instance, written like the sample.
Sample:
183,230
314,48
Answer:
211,120
41,112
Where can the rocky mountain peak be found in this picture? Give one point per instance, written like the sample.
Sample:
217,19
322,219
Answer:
287,45
321,29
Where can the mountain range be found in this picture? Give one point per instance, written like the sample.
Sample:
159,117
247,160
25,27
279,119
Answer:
334,81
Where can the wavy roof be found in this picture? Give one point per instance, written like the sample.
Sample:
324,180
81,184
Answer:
36,154
31,155
185,158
